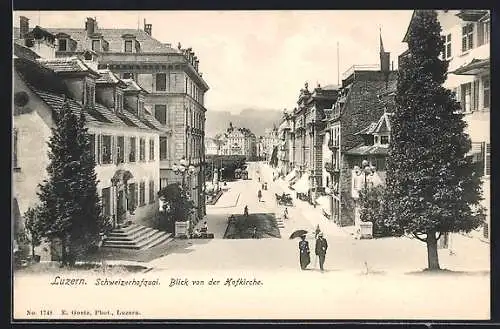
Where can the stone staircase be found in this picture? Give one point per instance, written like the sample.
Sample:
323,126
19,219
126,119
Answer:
280,222
135,237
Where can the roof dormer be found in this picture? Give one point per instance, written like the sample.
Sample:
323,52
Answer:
65,43
130,43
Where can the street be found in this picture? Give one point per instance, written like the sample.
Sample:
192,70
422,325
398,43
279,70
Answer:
364,279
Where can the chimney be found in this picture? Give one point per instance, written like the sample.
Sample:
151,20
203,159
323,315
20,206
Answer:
24,26
90,26
148,28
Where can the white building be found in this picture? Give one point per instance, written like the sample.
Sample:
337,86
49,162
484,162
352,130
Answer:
125,137
466,34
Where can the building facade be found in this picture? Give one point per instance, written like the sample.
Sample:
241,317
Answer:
238,141
174,85
466,36
124,136
307,138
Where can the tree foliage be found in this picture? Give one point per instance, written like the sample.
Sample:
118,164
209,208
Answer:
33,228
70,208
372,204
431,183
177,204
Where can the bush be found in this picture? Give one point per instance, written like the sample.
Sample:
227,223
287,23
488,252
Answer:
372,203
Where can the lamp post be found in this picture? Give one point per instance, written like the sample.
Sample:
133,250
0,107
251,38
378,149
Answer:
184,169
366,170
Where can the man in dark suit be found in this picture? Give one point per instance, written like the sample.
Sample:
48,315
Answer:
321,247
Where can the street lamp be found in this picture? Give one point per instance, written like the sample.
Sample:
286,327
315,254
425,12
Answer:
366,170
184,169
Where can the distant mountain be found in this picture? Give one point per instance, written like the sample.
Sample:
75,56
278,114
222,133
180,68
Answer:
257,120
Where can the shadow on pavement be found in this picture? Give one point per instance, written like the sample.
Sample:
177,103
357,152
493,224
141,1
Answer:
446,272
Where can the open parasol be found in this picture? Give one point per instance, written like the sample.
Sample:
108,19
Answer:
298,233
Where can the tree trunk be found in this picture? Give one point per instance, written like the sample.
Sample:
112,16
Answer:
432,252
33,250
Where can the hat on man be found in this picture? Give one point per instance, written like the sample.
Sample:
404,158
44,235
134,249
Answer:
320,234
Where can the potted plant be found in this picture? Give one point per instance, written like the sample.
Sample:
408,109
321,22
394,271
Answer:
180,208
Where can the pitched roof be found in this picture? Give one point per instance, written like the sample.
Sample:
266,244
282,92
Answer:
21,51
55,102
67,65
368,150
151,121
127,115
108,77
133,86
148,44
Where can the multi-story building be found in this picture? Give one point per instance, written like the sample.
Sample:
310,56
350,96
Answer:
307,138
466,36
124,136
239,141
269,142
212,147
367,92
284,136
170,76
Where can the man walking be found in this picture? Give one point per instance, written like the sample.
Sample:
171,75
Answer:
321,247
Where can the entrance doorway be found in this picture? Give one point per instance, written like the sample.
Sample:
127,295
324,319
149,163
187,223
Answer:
120,207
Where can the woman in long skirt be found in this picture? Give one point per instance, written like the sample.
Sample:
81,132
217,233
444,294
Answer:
305,258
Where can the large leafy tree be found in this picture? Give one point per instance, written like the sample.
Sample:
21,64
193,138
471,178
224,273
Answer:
70,206
432,188
177,205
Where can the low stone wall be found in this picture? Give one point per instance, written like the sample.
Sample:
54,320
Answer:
215,199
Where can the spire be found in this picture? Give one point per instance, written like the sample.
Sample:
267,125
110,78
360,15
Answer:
384,56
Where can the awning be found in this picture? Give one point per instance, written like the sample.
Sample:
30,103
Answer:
291,175
474,67
302,185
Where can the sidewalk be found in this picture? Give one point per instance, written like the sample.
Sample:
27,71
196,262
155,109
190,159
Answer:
228,199
314,215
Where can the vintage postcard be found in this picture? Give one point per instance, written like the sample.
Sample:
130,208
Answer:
251,165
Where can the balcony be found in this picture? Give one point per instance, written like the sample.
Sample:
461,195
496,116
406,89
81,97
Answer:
331,168
333,145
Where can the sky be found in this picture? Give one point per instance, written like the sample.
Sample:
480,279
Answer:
259,59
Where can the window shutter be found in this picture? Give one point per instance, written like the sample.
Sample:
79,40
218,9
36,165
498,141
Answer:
462,96
476,94
99,149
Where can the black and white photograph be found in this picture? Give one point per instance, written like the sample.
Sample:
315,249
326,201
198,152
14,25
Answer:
258,164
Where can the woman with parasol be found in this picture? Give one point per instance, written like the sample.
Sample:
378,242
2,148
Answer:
304,257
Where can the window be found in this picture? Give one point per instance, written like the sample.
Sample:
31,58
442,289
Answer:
467,37
140,108
486,92
131,197
131,154
187,90
128,46
142,149
119,102
152,191
465,92
483,33
128,75
161,82
106,149
96,45
163,148
384,140
447,46
14,156
163,183
106,201
376,138
151,149
92,146
120,150
142,193
161,113
63,44
89,94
